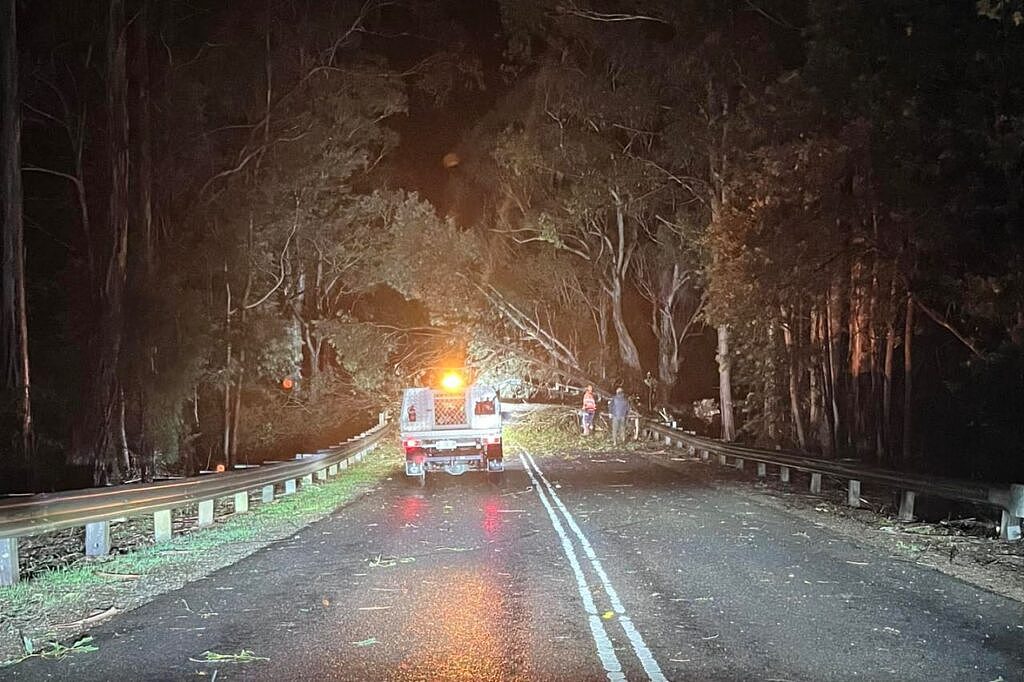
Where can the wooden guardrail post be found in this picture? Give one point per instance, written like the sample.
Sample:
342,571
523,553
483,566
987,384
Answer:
321,475
853,493
816,484
242,502
723,460
307,479
738,463
289,486
267,494
10,568
784,474
97,538
162,527
762,469
907,506
332,470
205,513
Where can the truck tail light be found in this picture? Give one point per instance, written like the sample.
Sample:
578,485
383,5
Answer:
411,443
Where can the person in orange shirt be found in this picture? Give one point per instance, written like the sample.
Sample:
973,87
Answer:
589,409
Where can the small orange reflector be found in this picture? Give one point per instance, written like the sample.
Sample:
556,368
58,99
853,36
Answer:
287,383
220,468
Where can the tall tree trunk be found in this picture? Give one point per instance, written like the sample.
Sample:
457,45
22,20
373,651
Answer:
725,384
123,450
908,374
627,348
91,440
795,407
771,431
668,352
144,365
621,259
14,323
228,380
887,368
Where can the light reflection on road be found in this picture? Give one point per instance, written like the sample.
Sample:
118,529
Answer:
459,626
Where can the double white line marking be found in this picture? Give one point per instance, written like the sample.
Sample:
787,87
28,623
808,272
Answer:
605,650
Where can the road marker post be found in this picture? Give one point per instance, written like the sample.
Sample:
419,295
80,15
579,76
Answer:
10,569
97,538
907,498
853,493
162,527
205,513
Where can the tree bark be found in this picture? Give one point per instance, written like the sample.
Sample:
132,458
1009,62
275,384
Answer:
725,384
91,440
887,369
14,323
795,407
627,348
908,374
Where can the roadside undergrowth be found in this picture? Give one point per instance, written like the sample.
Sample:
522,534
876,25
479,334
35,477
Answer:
59,604
556,432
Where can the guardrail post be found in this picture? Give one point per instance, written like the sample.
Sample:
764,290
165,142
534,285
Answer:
242,502
205,513
691,451
816,484
97,538
1009,526
162,527
332,470
289,486
307,479
321,475
853,493
738,463
784,474
907,506
268,494
343,464
762,469
636,428
668,440
723,460
705,455
10,569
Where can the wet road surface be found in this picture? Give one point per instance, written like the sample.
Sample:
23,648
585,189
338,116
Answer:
575,569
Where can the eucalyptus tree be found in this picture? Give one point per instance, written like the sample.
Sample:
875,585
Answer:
13,322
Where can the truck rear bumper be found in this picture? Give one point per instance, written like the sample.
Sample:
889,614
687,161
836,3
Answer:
451,463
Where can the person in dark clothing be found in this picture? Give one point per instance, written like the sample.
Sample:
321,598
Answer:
619,408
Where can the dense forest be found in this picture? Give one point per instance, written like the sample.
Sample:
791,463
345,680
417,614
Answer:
232,229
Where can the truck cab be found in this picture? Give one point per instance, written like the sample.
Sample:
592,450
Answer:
453,429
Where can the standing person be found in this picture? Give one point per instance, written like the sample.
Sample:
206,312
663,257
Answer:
619,407
652,387
589,408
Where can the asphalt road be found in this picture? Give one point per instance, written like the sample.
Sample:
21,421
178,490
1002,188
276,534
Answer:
575,569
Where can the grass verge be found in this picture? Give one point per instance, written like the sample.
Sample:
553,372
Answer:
60,604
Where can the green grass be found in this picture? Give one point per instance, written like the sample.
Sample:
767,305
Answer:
45,597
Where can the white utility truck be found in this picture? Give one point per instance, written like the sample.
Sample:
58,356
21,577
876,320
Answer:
454,429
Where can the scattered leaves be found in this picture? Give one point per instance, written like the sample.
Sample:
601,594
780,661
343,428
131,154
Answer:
243,656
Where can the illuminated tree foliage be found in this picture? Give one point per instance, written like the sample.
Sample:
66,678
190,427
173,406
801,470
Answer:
820,202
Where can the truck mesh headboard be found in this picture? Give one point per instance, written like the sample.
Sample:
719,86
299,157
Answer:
449,410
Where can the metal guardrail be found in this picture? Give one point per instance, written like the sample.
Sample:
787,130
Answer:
1008,498
95,508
